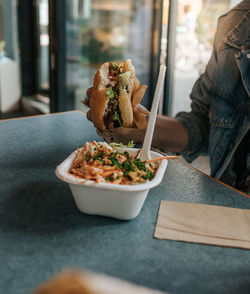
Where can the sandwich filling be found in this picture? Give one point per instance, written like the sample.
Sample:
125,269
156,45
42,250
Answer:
118,82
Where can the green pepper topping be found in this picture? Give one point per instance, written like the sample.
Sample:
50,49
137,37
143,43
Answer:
87,157
115,66
110,179
110,92
117,117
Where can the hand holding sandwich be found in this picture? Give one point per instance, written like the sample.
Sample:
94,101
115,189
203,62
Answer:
115,110
169,134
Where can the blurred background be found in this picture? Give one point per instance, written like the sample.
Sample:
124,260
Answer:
51,49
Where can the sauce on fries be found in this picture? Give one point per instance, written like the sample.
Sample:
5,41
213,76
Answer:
101,162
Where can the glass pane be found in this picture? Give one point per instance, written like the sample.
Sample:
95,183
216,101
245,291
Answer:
195,31
43,44
196,27
105,30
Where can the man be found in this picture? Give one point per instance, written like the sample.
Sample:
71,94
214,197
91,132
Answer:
219,122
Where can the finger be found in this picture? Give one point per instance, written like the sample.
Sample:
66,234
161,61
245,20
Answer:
106,135
88,115
140,119
99,132
125,135
141,108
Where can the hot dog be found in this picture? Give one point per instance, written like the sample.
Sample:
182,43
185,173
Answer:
114,95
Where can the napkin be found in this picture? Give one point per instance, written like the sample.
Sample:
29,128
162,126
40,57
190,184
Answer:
206,224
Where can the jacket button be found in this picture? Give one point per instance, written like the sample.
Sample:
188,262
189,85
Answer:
231,146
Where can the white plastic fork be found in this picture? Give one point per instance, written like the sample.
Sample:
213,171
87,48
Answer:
145,151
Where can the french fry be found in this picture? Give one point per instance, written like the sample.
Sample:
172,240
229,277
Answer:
117,181
163,157
109,173
107,167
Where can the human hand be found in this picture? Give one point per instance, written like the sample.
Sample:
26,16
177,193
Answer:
125,135
122,135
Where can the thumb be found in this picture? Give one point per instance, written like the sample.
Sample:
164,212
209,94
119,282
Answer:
106,135
88,115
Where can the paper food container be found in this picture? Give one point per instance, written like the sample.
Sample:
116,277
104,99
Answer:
107,199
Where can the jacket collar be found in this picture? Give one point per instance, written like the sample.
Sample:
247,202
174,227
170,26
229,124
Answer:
243,5
233,38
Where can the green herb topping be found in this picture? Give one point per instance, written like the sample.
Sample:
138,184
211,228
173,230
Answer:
87,157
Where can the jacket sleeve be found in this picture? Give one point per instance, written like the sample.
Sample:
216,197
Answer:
216,91
196,122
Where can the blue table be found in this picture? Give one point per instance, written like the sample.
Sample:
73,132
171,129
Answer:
42,231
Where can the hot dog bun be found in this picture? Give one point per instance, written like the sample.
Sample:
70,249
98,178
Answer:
110,98
98,101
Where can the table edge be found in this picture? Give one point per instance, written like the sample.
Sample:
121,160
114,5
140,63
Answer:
42,114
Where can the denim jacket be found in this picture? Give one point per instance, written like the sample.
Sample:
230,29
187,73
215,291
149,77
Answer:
220,115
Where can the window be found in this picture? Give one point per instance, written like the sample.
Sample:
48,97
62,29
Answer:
195,26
